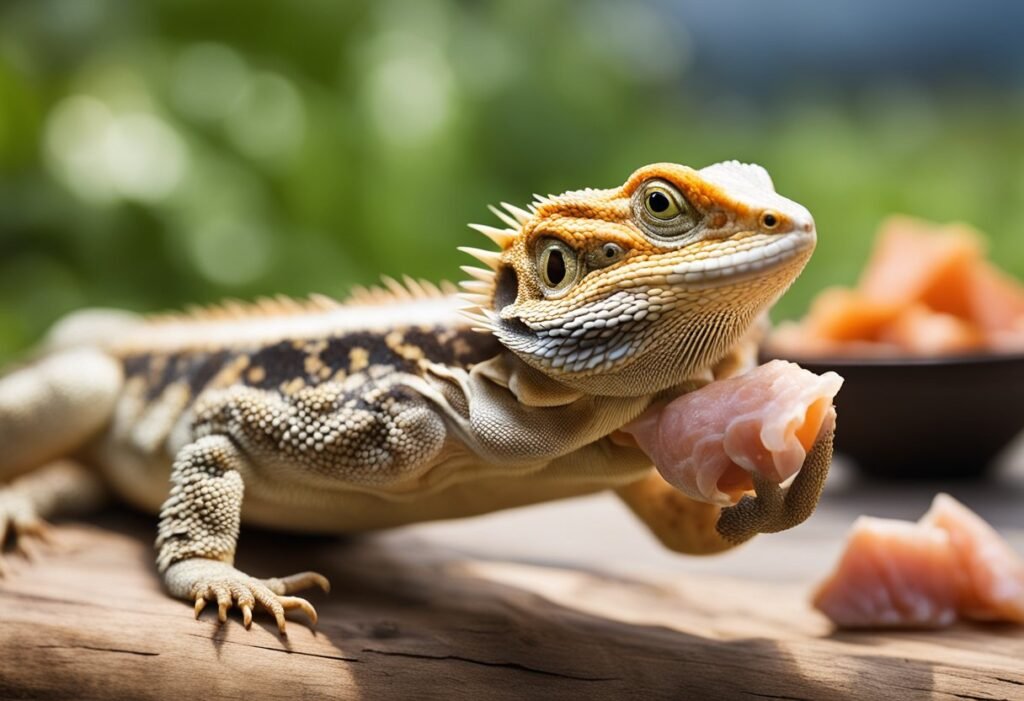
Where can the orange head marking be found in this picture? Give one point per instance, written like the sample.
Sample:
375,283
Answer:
633,289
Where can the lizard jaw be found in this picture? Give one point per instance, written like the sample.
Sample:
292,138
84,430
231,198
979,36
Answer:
749,262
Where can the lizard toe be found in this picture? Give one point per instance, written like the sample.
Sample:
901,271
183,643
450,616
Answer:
298,582
20,523
775,509
214,581
752,515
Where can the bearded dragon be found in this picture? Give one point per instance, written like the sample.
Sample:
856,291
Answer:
403,404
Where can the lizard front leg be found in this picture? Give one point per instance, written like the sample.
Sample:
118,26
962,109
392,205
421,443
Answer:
688,526
776,509
198,532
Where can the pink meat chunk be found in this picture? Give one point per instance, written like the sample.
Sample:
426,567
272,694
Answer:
708,442
892,574
993,572
948,565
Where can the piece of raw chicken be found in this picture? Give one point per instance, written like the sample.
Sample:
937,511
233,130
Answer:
927,290
949,564
708,442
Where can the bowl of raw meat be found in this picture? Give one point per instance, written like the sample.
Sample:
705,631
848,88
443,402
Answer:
931,344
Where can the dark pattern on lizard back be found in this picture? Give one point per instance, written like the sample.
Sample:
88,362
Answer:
195,368
309,362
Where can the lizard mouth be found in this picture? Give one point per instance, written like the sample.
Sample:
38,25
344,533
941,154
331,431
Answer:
751,262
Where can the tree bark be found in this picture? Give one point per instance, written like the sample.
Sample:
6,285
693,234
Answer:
407,619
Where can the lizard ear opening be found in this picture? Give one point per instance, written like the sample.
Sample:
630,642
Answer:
506,287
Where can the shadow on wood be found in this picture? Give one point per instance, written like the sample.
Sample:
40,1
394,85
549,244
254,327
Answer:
411,620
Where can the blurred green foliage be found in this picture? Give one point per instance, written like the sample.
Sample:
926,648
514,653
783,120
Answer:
154,154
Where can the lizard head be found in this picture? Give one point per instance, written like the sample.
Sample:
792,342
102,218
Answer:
632,290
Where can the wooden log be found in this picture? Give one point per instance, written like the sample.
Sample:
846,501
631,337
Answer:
408,619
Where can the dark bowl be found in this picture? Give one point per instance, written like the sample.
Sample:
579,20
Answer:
934,418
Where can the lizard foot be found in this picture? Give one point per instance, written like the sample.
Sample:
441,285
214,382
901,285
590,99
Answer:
19,517
201,580
776,509
753,515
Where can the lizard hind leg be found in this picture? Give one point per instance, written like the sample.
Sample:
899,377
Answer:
51,408
682,524
59,487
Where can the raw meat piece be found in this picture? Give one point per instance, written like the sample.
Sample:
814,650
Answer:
996,300
797,340
913,259
1010,340
706,443
994,573
927,290
922,331
892,574
900,574
839,314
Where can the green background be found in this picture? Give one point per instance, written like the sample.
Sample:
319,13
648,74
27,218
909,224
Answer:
154,154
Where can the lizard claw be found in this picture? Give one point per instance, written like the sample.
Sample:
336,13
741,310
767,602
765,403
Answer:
290,602
211,580
18,516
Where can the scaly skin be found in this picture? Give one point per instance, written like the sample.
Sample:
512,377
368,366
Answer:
397,407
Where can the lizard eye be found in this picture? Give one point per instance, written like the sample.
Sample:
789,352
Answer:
665,210
557,265
660,203
607,254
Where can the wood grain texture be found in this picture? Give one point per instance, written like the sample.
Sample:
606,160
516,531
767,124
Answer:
411,618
